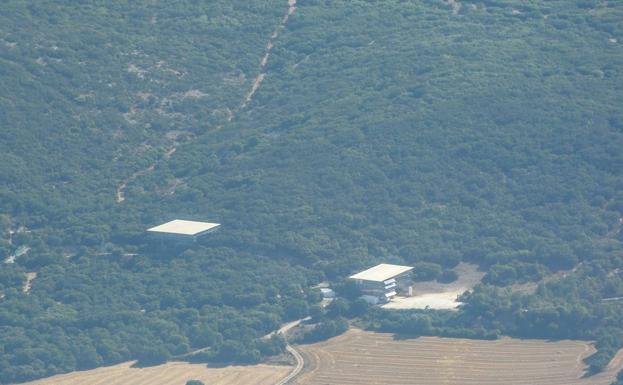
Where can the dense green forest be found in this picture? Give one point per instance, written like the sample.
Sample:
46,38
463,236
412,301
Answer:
395,131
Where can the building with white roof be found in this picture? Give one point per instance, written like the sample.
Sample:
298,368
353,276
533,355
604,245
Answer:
383,281
182,230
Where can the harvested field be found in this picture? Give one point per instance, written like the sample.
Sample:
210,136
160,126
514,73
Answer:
366,358
172,373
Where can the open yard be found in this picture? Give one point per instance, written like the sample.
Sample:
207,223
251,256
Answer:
172,373
366,358
435,295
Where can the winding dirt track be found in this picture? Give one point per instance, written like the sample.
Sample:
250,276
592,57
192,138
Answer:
264,61
255,85
300,362
362,358
122,186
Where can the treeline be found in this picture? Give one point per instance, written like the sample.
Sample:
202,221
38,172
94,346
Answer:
151,309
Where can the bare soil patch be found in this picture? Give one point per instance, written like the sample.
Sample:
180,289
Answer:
360,357
31,276
456,6
172,373
436,295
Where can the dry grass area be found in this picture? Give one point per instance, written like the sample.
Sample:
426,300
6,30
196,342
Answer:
366,358
172,373
435,295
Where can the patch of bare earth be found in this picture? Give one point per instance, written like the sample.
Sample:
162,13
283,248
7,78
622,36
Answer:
456,6
362,358
193,94
136,70
172,373
435,295
31,276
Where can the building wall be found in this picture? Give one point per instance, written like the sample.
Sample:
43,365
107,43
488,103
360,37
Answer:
403,281
201,234
377,289
170,238
371,287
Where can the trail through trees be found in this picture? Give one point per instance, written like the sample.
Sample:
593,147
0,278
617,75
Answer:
255,85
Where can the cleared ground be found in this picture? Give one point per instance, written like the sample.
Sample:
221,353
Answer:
435,295
172,373
359,357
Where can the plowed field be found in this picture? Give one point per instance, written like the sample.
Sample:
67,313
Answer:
173,373
366,358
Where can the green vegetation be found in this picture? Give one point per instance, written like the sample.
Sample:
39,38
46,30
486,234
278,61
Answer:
573,307
383,131
325,329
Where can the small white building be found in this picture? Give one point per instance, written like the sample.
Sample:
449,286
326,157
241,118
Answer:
383,281
182,230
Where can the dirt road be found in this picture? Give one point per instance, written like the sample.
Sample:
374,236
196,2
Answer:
300,362
255,86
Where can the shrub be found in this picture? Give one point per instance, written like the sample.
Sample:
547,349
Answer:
448,276
426,271
194,382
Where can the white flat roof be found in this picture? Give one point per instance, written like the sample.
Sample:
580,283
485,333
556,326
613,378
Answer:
182,227
382,272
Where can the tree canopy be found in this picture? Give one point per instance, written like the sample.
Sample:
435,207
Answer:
390,131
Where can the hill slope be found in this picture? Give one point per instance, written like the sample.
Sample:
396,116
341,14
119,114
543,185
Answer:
381,132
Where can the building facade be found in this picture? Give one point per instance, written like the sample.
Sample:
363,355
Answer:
383,282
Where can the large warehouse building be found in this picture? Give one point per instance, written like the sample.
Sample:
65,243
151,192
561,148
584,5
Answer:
179,230
379,284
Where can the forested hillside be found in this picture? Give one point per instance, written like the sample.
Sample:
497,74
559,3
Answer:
409,132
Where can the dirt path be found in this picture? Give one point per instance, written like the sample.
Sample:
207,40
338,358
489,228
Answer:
300,362
255,85
124,184
257,82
